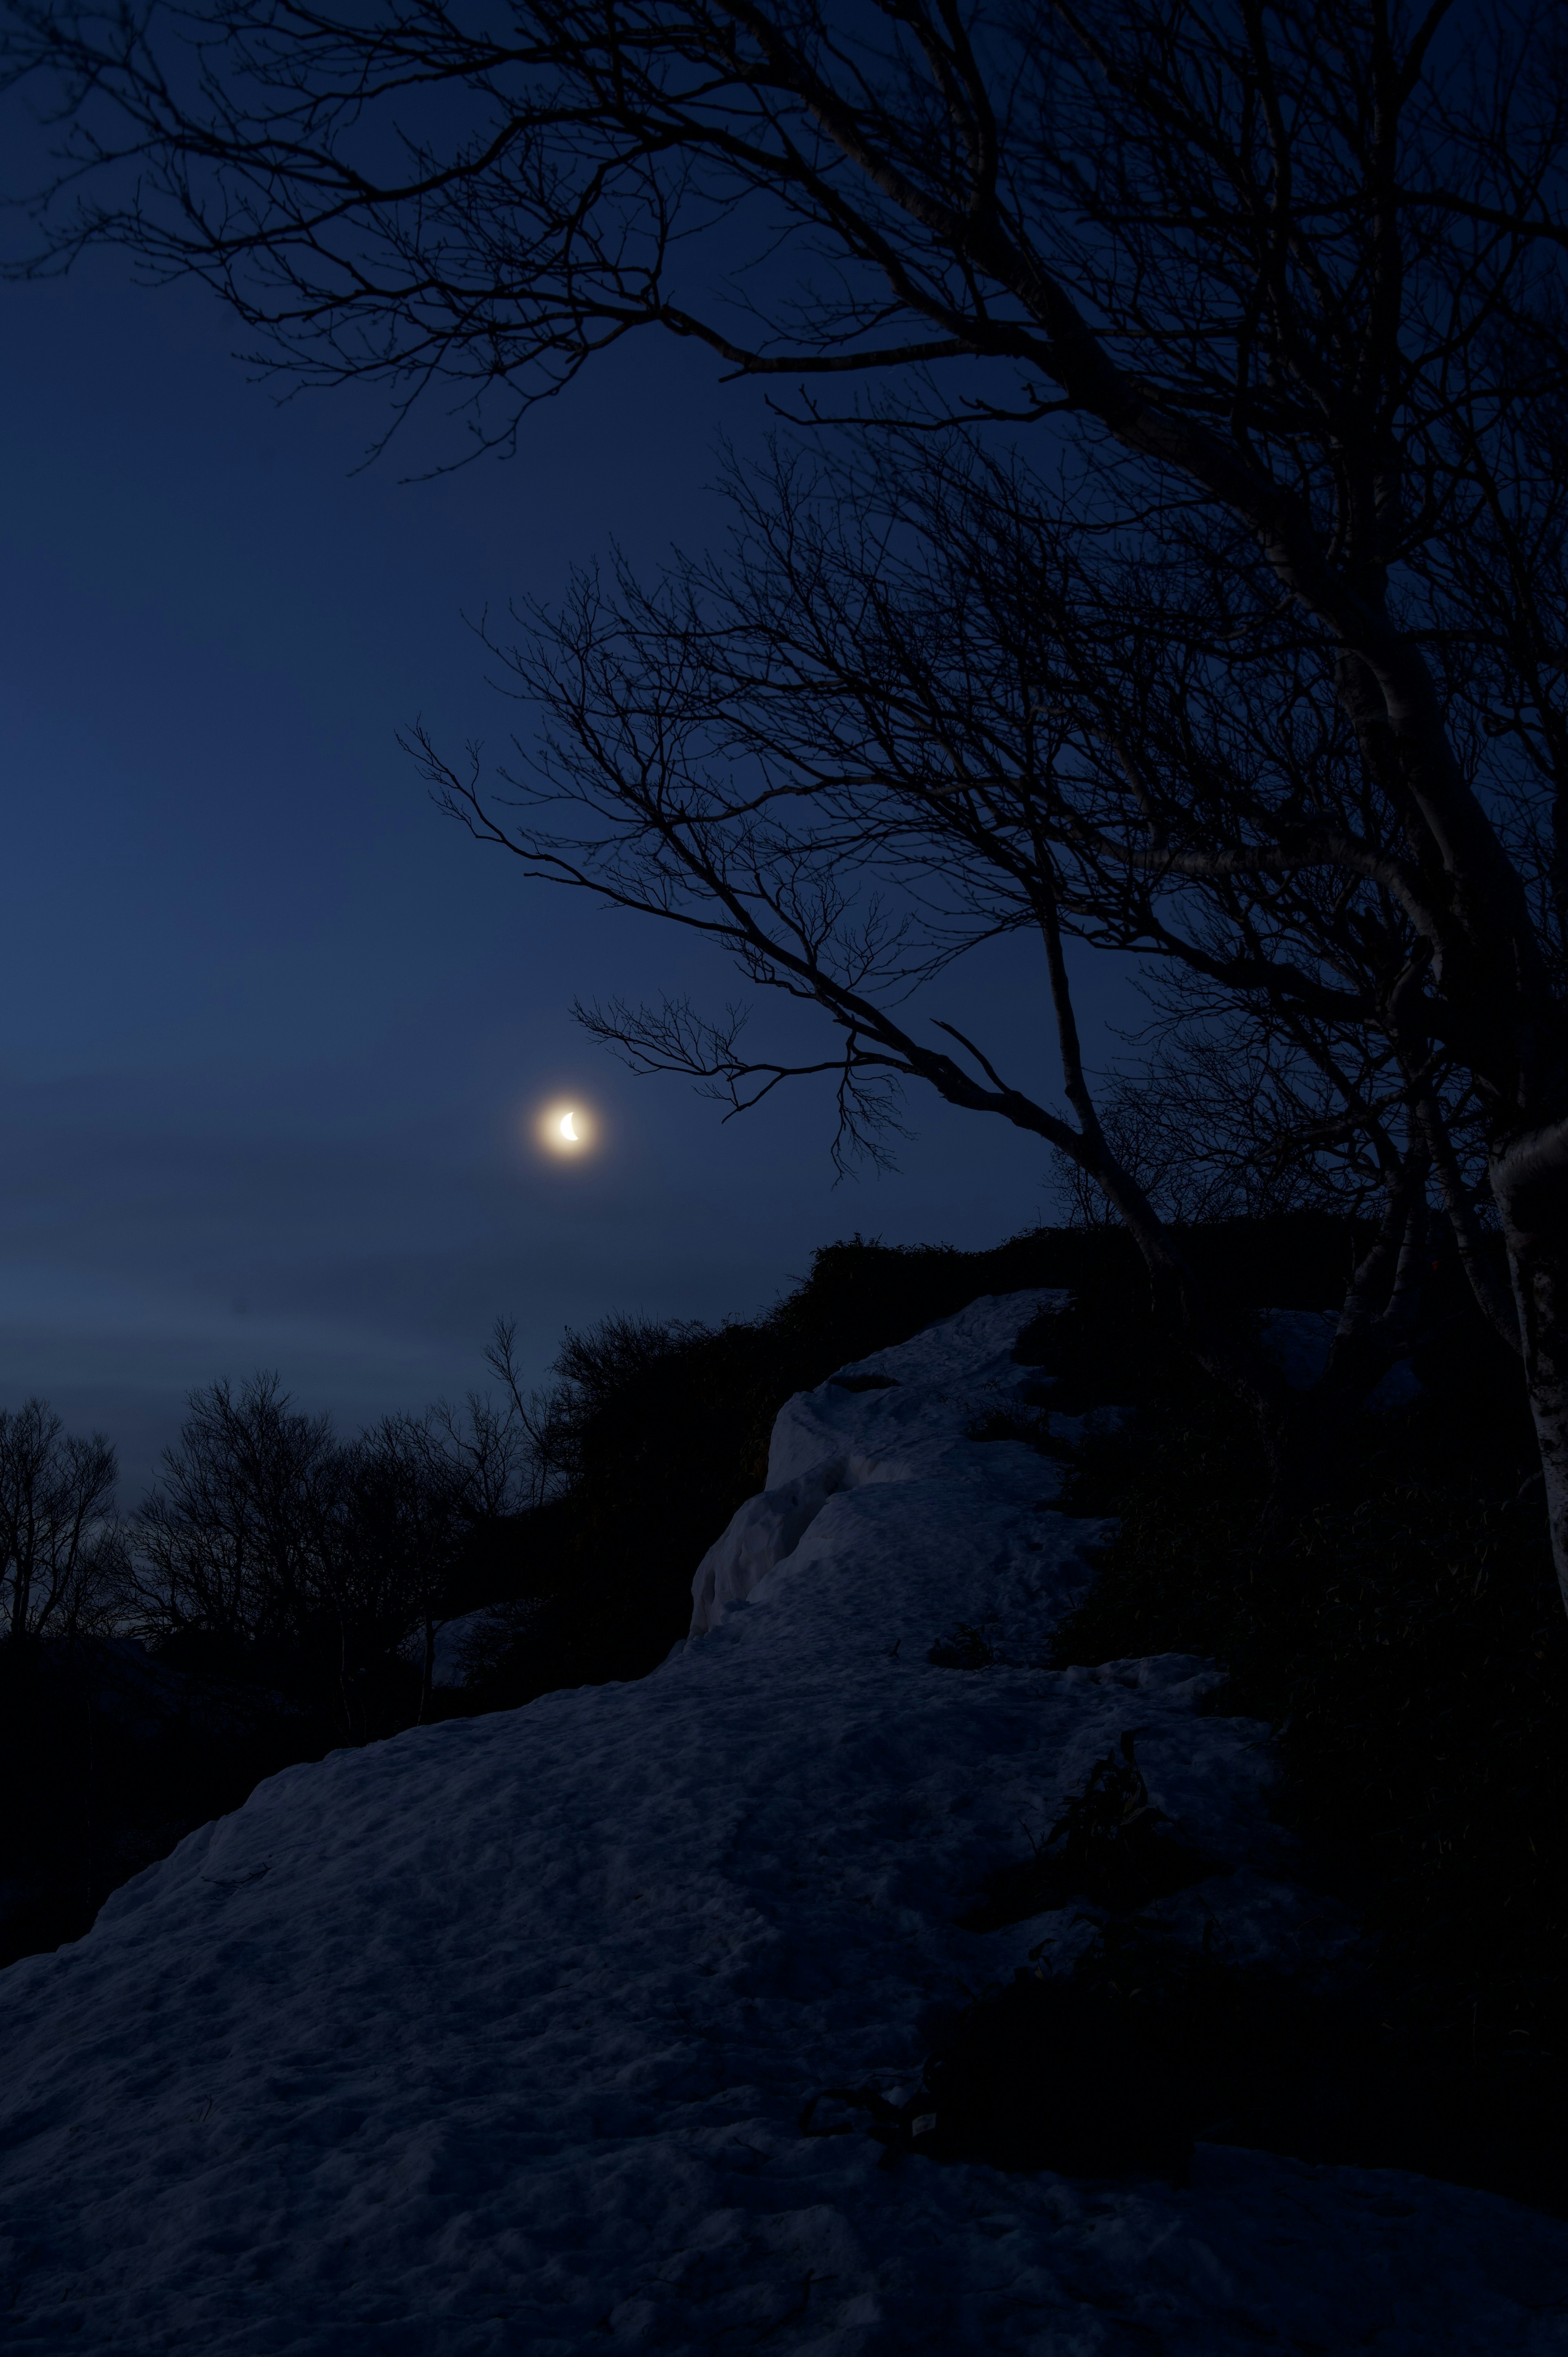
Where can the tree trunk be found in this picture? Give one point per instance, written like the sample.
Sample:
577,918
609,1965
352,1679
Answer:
1530,1180
1182,1306
427,1676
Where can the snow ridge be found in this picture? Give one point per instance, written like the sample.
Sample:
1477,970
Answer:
495,2037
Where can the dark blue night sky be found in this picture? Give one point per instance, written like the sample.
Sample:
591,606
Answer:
272,1028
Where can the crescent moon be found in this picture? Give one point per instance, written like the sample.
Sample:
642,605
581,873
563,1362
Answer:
567,1131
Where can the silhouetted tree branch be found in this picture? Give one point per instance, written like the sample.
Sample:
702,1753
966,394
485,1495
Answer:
1291,283
59,1555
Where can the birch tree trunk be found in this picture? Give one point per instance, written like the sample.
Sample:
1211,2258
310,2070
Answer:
1529,1181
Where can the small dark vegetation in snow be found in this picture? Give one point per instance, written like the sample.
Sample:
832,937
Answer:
966,1648
1011,1423
1111,1844
1062,2074
1404,1635
1147,2047
1066,2075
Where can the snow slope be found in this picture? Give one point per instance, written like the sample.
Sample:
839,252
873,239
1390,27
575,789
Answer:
495,2037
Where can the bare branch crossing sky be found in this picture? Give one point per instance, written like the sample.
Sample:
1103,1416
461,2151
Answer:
274,1030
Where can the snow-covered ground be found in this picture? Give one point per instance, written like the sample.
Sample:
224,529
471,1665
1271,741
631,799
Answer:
496,2037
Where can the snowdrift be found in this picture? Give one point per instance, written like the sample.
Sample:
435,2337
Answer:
496,2037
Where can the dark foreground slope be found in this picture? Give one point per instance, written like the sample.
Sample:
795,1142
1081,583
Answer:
642,2018
1404,1636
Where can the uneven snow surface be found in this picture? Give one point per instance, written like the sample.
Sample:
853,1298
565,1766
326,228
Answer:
496,2037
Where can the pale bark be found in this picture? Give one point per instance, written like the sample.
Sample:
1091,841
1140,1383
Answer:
1529,1181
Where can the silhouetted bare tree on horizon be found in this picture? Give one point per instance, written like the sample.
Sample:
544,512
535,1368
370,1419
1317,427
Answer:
271,1542
60,1557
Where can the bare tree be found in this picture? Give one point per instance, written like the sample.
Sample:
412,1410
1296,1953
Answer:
896,723
538,1438
58,1546
312,1554
409,1493
1288,281
231,1541
1199,1125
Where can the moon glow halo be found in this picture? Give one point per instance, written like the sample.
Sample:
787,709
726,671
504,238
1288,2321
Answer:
565,1129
